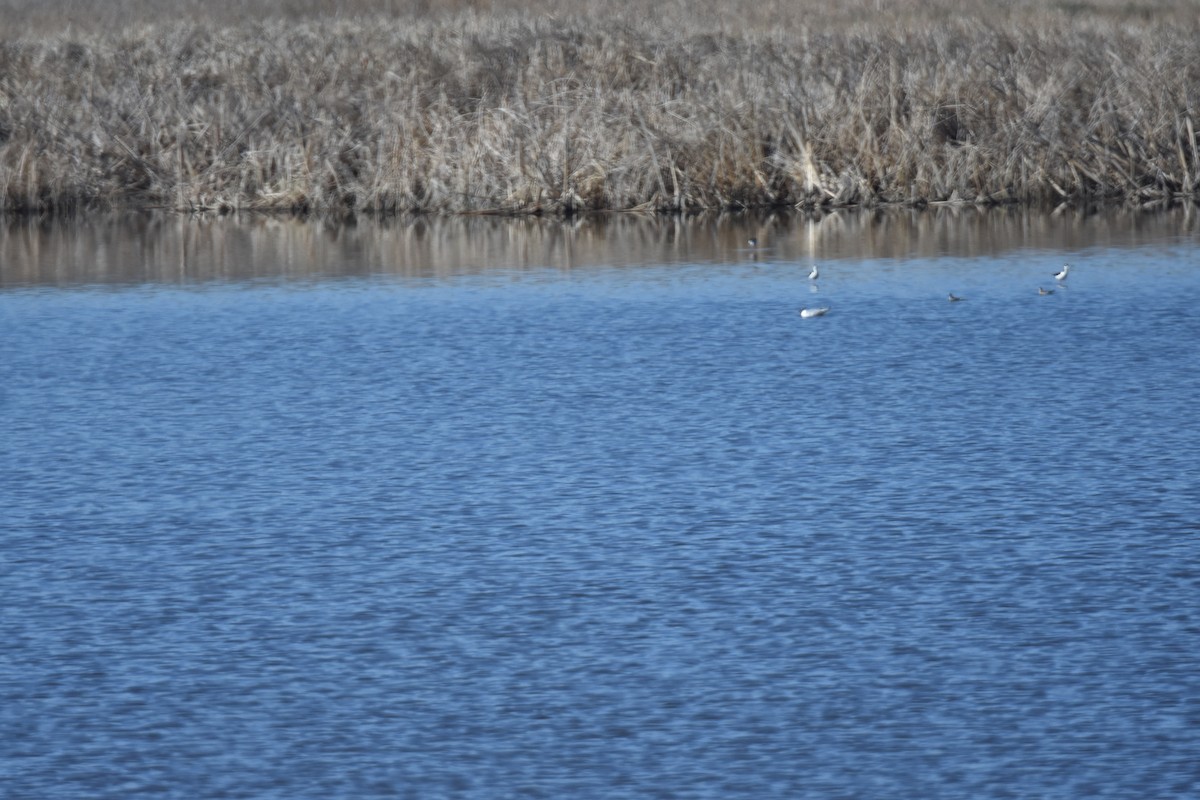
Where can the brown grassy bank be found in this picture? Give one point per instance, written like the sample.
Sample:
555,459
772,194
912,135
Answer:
387,107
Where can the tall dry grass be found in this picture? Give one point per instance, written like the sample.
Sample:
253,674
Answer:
447,106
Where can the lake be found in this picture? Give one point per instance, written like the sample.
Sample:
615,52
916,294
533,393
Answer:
483,508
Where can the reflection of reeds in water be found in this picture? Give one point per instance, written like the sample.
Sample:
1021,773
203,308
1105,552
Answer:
519,112
173,249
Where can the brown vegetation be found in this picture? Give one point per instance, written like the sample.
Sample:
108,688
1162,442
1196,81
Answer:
449,106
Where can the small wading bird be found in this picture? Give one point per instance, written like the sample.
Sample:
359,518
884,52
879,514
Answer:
1045,292
814,312
955,298
752,242
812,276
1062,275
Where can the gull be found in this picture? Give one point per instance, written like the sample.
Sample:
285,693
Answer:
814,312
812,276
1044,292
955,298
1062,276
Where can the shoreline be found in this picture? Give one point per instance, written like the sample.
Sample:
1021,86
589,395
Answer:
520,114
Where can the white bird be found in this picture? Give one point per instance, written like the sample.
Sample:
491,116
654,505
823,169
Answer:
1062,276
1045,292
752,242
814,312
812,276
955,298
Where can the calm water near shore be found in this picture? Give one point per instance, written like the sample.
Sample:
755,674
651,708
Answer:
483,508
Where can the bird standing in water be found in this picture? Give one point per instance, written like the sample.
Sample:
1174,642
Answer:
1062,274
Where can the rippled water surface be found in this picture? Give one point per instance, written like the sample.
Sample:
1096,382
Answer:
602,530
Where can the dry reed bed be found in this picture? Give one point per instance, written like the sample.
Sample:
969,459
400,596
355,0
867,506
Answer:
517,114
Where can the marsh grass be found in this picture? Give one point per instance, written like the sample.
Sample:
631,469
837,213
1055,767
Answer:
445,107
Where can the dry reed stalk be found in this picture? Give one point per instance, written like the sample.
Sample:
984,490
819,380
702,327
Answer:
517,113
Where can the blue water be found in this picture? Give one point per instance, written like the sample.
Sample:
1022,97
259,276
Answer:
627,532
